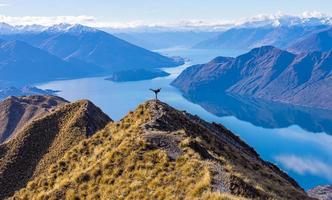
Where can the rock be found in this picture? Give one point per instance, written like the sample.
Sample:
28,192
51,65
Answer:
322,192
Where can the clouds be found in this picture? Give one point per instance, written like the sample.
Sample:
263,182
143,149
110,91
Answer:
47,21
194,24
305,166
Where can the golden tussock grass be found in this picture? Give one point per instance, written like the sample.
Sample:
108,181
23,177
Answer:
116,164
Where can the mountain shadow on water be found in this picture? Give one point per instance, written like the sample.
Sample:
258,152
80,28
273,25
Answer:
267,114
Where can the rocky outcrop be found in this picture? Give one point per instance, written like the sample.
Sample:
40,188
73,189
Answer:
160,152
44,141
17,112
268,73
323,192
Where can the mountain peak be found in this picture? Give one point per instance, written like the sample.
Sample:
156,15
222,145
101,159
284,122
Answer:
44,140
220,59
159,148
70,28
264,50
15,112
78,28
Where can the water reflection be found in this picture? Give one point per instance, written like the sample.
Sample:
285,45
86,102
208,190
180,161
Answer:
265,114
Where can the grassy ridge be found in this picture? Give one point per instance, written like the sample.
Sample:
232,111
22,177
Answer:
157,152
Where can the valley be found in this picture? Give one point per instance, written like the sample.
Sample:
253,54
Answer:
244,109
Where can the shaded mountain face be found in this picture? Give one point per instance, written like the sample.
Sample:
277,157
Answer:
318,41
267,73
94,48
22,64
267,114
159,152
17,112
251,37
44,141
323,192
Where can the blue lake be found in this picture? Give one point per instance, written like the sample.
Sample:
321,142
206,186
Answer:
297,139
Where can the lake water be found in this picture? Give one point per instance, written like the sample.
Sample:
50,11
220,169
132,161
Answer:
298,140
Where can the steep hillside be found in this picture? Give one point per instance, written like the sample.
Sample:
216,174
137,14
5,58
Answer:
157,152
318,41
17,112
44,141
268,73
35,65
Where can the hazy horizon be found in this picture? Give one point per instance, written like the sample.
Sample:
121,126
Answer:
129,14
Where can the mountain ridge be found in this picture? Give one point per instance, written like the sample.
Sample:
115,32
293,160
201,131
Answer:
33,63
246,38
318,41
44,140
94,47
16,112
268,73
157,151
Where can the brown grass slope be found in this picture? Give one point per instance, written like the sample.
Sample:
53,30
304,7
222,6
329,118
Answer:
157,152
44,141
16,112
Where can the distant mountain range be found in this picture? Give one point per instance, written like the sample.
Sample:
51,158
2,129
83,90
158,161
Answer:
296,38
317,41
266,72
166,39
9,29
70,51
321,192
6,91
278,30
21,64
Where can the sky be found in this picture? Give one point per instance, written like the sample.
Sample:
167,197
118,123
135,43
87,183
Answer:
153,11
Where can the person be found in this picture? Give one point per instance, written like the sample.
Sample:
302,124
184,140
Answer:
156,91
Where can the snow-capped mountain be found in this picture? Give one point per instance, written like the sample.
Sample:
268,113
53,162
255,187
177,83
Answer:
277,20
6,28
70,28
9,29
282,31
272,20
